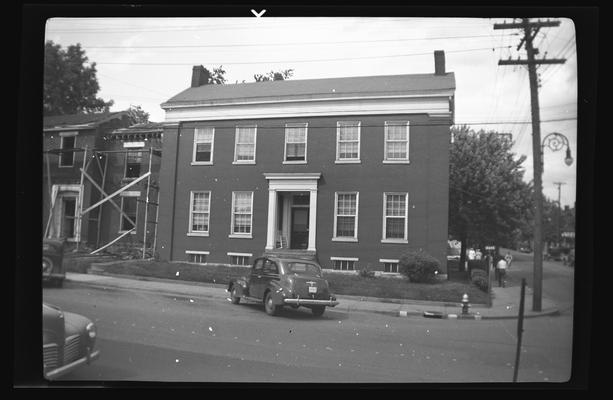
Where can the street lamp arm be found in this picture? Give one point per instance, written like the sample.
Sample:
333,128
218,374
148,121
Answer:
556,141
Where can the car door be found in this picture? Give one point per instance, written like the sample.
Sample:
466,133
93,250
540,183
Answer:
256,280
271,273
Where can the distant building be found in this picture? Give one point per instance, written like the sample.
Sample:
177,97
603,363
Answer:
350,171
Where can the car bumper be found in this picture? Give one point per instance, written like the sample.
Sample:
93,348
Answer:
311,302
56,373
54,275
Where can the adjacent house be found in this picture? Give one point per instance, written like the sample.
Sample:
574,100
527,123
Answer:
68,141
350,171
100,177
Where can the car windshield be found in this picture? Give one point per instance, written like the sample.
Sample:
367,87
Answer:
302,269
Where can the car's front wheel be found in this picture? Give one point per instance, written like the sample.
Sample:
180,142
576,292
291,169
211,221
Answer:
269,305
318,311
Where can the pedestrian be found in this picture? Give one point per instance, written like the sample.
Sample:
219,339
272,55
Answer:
508,258
501,268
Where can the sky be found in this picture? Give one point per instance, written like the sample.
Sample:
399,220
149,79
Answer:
146,61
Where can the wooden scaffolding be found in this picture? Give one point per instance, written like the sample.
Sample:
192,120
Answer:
151,192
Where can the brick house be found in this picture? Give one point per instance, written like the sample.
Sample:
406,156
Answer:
87,159
65,140
350,171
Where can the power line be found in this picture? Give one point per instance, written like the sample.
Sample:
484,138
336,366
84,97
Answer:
293,61
174,46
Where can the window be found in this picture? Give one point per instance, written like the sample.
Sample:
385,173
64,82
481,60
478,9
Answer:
343,264
396,141
134,160
295,142
395,209
239,258
129,207
242,204
203,145
244,150
346,215
199,212
390,265
270,267
67,157
198,257
348,141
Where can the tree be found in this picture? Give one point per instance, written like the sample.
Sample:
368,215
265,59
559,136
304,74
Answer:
217,77
137,115
274,76
70,86
488,199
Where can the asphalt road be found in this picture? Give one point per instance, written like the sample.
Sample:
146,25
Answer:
145,336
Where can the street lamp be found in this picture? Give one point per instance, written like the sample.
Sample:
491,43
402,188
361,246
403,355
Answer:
555,142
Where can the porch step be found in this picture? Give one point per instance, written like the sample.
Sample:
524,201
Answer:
289,253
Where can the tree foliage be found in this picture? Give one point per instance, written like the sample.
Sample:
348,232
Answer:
488,199
217,76
70,85
274,76
137,115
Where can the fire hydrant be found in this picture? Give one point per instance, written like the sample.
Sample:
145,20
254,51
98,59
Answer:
465,304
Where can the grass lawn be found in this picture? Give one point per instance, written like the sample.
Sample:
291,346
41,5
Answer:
340,284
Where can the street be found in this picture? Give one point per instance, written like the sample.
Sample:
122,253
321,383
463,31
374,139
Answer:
148,336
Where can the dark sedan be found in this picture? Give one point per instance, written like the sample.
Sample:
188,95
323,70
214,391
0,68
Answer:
68,341
278,282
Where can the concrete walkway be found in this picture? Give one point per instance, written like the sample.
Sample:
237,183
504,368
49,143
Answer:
505,301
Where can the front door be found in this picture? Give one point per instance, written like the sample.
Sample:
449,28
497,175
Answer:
300,228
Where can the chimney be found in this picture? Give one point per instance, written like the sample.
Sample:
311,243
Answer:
439,62
199,76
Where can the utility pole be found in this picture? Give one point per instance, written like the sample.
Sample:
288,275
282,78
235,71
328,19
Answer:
559,184
530,31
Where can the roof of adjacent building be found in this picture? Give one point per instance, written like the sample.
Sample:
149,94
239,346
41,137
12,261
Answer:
146,127
327,88
80,120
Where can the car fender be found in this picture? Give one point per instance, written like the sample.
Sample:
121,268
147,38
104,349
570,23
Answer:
278,293
241,286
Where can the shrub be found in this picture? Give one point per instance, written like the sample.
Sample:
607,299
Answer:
481,282
366,272
478,272
419,266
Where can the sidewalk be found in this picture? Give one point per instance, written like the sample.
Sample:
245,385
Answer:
505,301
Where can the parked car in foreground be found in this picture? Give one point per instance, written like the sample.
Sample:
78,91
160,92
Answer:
279,282
68,341
54,271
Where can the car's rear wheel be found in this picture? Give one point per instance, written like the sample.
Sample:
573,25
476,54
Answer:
269,305
318,311
234,296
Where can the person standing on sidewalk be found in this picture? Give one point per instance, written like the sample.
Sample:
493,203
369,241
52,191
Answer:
501,267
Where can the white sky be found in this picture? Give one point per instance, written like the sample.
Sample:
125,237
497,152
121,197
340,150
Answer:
145,61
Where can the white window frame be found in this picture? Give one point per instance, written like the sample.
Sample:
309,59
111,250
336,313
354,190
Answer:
385,239
339,160
234,254
195,145
62,136
241,235
354,259
197,252
387,160
304,125
389,261
353,238
255,141
134,195
190,231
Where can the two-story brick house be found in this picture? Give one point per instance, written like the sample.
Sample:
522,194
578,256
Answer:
95,188
68,141
352,171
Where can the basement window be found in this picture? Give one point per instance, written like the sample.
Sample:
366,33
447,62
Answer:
344,264
197,257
